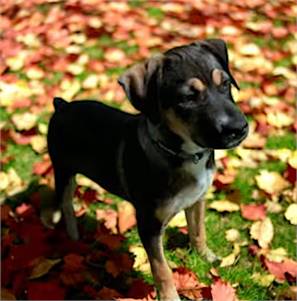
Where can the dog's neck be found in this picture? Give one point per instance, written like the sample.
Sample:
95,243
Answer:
172,145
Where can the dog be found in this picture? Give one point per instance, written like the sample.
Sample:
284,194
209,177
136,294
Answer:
162,159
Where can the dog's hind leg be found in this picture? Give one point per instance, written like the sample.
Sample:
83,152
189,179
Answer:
64,189
196,226
67,208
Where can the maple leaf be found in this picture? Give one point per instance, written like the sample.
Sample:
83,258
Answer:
187,283
50,290
119,263
222,291
253,212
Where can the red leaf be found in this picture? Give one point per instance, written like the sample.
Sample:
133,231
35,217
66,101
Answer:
291,174
141,290
108,294
118,264
42,168
50,290
253,212
23,208
282,270
222,291
127,218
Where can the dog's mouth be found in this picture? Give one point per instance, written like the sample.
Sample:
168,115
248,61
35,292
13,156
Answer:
227,141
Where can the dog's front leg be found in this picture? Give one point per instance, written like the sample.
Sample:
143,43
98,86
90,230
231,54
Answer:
196,226
150,232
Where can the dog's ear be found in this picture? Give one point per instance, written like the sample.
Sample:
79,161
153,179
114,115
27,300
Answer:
219,49
136,81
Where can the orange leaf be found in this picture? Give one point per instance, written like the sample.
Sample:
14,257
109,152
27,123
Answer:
282,269
127,219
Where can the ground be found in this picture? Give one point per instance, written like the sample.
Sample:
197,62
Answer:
77,50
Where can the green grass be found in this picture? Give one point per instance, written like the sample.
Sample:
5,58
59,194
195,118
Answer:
287,140
23,158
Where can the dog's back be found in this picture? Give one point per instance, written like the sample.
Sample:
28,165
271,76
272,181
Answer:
83,130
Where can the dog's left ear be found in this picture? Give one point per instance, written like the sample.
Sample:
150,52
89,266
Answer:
137,81
219,49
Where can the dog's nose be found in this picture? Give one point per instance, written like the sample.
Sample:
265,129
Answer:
234,129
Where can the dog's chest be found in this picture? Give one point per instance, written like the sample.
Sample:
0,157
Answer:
190,184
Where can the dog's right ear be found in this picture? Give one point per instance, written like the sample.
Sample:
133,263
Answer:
135,81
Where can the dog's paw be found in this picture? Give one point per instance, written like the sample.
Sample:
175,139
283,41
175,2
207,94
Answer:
50,217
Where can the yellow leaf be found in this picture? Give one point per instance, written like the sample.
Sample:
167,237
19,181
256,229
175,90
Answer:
277,255
263,280
179,220
24,121
293,159
279,119
91,82
232,235
4,181
35,73
271,182
224,205
140,256
250,49
38,143
228,260
262,231
291,214
70,88
42,267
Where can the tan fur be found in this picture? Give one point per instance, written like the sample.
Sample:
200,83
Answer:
217,76
197,84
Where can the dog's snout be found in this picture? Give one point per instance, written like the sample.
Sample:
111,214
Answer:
233,128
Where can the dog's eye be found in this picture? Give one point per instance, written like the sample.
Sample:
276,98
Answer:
225,84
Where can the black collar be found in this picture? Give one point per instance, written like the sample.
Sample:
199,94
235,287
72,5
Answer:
169,151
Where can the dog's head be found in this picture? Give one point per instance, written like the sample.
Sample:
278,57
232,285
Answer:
188,89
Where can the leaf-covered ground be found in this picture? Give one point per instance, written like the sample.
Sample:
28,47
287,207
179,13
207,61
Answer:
77,49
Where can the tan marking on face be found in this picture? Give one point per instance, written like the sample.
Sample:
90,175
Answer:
197,84
217,76
177,125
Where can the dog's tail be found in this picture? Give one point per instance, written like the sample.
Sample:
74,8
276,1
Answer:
59,103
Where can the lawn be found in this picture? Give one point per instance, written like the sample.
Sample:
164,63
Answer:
77,50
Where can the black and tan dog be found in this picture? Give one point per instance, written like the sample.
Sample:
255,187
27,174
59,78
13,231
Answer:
161,160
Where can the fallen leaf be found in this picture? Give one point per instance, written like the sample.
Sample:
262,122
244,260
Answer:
110,218
291,214
277,255
187,283
232,235
51,290
141,290
271,182
262,231
179,220
253,212
108,294
230,259
263,280
24,121
7,294
126,216
38,143
222,291
224,205
42,266
140,258
280,269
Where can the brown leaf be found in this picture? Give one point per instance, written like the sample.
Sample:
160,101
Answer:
187,283
108,294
